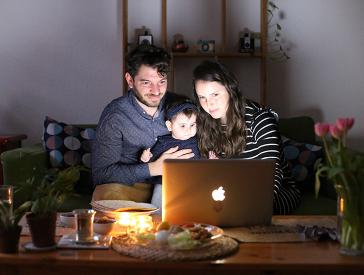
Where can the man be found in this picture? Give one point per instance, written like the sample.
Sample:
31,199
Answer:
130,124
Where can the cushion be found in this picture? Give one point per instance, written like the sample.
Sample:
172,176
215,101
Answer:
301,158
66,144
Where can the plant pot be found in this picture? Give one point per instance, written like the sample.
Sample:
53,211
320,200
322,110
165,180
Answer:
9,240
42,229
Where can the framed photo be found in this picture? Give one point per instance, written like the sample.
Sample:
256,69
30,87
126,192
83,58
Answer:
145,39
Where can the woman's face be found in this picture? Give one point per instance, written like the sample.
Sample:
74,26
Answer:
213,98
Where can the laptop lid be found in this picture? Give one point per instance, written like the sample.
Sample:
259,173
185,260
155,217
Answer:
222,192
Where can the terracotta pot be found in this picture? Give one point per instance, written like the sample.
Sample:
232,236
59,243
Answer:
42,229
9,240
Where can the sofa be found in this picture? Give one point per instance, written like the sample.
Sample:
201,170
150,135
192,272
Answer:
32,161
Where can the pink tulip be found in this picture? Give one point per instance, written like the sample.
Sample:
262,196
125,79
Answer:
344,124
321,129
335,131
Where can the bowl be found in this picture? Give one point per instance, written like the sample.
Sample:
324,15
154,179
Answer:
68,219
103,226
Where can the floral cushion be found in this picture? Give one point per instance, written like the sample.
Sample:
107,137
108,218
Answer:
301,158
67,145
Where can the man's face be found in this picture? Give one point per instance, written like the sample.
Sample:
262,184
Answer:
182,127
149,86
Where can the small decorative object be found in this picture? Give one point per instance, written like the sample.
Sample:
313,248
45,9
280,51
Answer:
144,36
206,46
45,197
9,226
179,44
345,170
246,41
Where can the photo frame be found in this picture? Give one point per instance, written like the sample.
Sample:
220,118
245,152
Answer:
146,39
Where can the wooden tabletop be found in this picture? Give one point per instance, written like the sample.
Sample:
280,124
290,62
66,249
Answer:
252,258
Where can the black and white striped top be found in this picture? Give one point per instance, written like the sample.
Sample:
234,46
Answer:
263,141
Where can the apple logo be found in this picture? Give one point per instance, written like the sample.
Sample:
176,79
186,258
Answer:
218,194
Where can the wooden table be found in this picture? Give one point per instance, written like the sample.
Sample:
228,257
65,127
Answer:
252,258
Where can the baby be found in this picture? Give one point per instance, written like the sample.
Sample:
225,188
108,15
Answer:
181,122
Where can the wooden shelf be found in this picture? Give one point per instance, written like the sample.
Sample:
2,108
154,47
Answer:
261,55
218,55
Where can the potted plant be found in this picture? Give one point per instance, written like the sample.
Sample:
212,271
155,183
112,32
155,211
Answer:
9,226
45,198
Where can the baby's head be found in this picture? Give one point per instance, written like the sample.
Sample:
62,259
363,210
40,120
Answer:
181,120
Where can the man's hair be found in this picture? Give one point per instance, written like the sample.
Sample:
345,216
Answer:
149,55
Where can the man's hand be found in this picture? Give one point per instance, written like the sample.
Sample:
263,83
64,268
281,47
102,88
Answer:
155,167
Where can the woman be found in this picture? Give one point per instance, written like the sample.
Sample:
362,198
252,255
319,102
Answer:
230,126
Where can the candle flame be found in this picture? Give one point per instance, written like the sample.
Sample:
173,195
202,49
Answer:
135,223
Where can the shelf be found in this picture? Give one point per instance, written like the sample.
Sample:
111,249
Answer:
223,52
218,55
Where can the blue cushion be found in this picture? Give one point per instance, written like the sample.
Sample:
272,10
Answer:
302,158
66,144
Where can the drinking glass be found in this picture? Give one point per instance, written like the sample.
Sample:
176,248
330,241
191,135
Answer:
84,225
6,195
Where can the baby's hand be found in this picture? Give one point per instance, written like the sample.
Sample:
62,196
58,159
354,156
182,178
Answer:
212,155
146,156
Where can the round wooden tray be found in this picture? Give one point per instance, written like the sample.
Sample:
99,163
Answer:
218,248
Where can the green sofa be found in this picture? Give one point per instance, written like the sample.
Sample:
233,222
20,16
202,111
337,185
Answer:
23,163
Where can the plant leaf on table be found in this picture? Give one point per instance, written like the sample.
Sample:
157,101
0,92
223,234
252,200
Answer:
47,195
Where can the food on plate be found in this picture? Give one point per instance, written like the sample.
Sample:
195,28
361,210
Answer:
163,226
182,240
199,233
161,236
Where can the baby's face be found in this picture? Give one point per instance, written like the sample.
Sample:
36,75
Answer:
183,127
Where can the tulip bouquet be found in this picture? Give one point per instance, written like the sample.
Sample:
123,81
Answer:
345,170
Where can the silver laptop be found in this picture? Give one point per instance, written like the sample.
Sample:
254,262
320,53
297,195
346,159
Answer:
220,192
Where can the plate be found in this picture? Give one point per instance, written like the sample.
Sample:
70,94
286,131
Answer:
113,208
98,242
181,242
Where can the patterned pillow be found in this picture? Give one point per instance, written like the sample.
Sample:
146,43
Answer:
301,158
67,145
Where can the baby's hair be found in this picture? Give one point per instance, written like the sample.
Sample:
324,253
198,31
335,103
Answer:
188,112
182,105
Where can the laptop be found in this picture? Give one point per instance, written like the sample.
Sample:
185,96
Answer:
221,192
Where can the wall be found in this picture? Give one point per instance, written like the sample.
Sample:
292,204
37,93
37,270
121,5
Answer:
57,58
324,77
62,58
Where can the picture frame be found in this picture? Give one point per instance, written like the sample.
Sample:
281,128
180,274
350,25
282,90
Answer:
145,39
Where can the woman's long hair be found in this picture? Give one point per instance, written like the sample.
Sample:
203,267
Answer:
225,141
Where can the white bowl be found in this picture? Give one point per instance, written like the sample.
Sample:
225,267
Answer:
68,219
103,228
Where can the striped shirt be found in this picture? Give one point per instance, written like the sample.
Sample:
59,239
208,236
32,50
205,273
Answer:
263,141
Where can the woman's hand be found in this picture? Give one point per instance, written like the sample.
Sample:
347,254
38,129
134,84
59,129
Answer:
212,155
155,167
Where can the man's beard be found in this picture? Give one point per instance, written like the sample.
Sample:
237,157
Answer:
145,102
